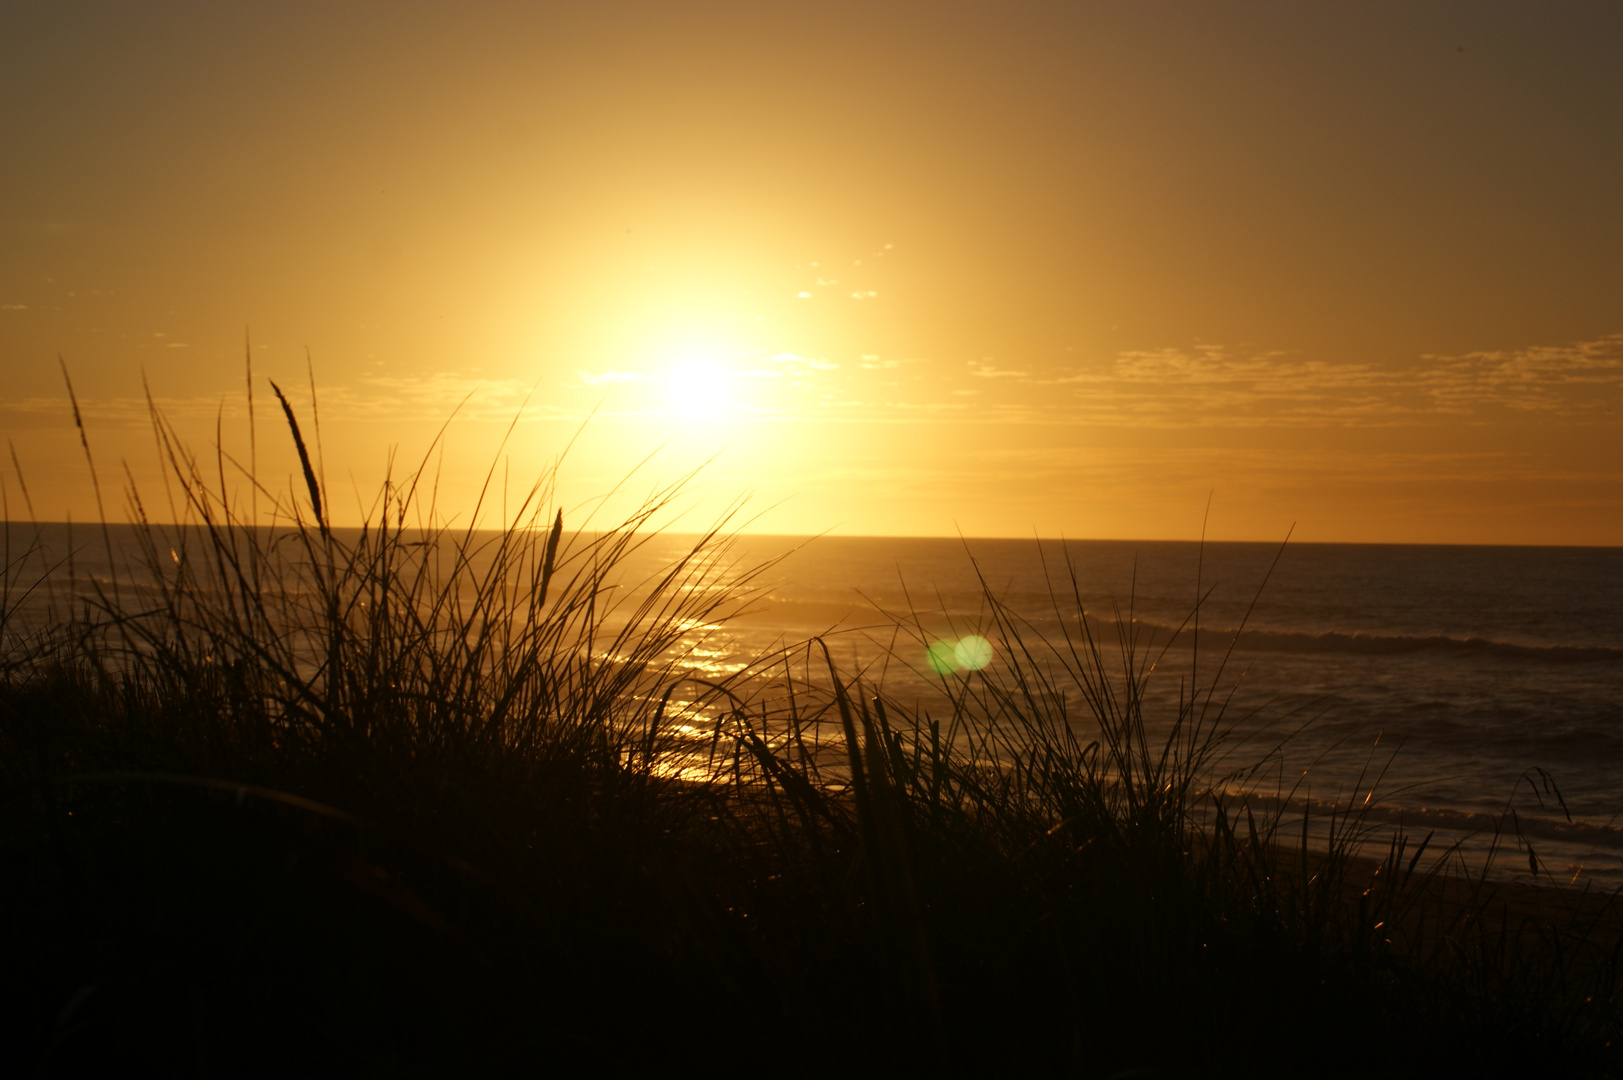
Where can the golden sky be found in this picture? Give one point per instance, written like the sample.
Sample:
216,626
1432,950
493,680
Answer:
889,268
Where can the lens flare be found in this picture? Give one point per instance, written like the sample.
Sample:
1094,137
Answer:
972,653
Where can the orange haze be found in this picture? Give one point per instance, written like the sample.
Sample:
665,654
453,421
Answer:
889,268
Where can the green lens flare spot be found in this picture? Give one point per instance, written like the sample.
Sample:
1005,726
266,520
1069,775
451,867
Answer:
940,658
972,653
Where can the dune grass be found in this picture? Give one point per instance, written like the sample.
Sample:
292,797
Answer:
414,800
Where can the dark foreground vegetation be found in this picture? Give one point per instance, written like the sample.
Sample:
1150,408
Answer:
389,805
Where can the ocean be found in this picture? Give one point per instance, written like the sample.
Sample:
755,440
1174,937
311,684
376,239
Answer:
1427,684
1434,687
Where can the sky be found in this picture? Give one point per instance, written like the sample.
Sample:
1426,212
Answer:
874,269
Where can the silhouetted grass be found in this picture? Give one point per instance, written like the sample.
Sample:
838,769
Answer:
419,801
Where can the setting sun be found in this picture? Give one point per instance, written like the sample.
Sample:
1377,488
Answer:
959,539
974,289
696,385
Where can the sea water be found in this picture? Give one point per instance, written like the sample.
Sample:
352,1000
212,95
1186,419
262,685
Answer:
1432,687
1427,685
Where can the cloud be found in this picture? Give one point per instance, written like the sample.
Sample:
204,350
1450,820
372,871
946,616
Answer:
430,396
1204,386
1570,380
117,411
1211,385
611,376
988,370
13,307
794,361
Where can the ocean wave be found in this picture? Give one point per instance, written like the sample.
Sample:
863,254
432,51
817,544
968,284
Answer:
1359,644
1416,821
790,611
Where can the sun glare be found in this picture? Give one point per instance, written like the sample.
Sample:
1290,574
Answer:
697,386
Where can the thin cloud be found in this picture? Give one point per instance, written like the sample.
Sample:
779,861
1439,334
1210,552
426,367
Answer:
1205,386
610,377
1210,385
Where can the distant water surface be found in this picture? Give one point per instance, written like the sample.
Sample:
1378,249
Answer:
1457,670
1450,673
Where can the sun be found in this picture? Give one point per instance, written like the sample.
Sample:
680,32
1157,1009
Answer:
696,384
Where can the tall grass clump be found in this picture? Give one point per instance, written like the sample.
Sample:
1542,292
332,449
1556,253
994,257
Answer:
283,798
